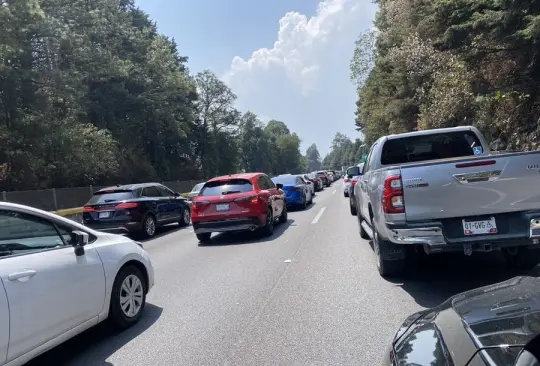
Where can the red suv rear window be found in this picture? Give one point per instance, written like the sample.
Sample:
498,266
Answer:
230,186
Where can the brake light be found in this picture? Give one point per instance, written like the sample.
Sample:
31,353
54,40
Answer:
346,180
126,205
476,163
353,182
88,209
249,200
392,197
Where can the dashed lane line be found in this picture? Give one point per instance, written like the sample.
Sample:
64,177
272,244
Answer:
316,219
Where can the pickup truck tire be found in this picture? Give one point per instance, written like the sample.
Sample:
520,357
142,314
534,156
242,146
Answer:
353,209
522,258
363,234
387,268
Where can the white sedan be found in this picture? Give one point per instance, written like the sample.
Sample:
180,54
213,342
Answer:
59,278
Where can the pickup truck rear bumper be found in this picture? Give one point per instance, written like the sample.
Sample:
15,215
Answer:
514,229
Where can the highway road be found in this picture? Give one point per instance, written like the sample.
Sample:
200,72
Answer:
310,294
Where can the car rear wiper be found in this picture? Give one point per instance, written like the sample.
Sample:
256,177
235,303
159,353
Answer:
230,192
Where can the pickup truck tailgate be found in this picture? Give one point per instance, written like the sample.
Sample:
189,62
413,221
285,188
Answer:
475,186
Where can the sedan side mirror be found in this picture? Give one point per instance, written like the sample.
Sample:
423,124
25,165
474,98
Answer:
279,186
78,240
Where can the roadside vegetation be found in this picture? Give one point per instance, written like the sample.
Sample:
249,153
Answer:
92,93
443,63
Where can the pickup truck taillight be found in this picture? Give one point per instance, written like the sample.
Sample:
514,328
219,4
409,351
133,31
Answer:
392,197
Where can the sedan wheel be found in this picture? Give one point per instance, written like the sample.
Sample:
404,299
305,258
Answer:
128,297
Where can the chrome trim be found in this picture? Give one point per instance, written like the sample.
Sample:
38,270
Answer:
534,228
428,235
487,176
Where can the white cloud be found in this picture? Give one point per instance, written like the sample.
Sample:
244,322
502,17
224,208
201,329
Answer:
307,67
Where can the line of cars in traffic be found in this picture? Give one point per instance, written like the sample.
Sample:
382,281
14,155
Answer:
471,199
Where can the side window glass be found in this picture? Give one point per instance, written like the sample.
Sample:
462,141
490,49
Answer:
164,191
269,182
368,159
262,183
151,192
65,232
23,234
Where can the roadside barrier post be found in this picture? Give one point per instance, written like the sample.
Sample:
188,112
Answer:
54,199
4,196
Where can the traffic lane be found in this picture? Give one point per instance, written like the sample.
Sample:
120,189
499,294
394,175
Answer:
203,298
332,307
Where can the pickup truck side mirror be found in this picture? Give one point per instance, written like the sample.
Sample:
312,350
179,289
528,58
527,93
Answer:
78,240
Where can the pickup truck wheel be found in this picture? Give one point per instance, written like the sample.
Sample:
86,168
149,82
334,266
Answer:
363,234
387,268
353,209
521,258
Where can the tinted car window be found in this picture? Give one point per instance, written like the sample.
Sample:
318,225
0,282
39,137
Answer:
110,196
269,182
164,191
263,184
430,147
218,188
21,233
150,192
285,180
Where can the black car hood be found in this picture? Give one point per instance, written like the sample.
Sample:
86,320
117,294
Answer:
506,313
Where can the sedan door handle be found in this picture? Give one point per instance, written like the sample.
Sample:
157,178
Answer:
21,276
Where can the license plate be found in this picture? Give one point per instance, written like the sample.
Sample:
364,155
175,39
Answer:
104,215
480,227
222,207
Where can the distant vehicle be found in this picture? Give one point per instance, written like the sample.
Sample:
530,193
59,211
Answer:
352,172
238,202
324,177
297,190
492,325
59,278
195,191
442,191
330,175
135,209
352,200
310,182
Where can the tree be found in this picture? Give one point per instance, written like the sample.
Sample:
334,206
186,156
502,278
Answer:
344,152
313,158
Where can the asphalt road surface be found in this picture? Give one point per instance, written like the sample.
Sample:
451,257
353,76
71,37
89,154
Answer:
310,294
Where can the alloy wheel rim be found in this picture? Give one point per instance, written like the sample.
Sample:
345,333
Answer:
131,296
270,220
186,216
377,249
150,226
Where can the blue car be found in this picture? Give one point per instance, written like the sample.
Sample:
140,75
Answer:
297,192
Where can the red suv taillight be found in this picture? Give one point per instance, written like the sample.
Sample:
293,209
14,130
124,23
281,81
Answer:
392,197
346,180
247,201
353,182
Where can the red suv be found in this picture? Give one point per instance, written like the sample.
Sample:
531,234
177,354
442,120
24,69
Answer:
238,202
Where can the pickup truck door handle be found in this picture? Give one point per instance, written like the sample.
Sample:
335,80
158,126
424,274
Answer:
22,276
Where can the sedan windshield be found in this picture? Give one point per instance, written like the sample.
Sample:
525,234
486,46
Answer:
285,180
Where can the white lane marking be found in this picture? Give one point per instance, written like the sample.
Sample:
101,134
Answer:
335,190
316,219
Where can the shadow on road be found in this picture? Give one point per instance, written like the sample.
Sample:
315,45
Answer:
247,237
98,343
438,277
166,230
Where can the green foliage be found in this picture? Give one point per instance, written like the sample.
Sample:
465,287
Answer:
91,93
313,159
344,152
443,63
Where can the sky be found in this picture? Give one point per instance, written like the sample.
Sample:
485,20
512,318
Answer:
284,59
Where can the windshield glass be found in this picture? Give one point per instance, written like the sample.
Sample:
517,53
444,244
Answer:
285,180
197,187
110,196
430,147
218,188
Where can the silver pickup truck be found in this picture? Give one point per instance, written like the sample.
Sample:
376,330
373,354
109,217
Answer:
443,190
